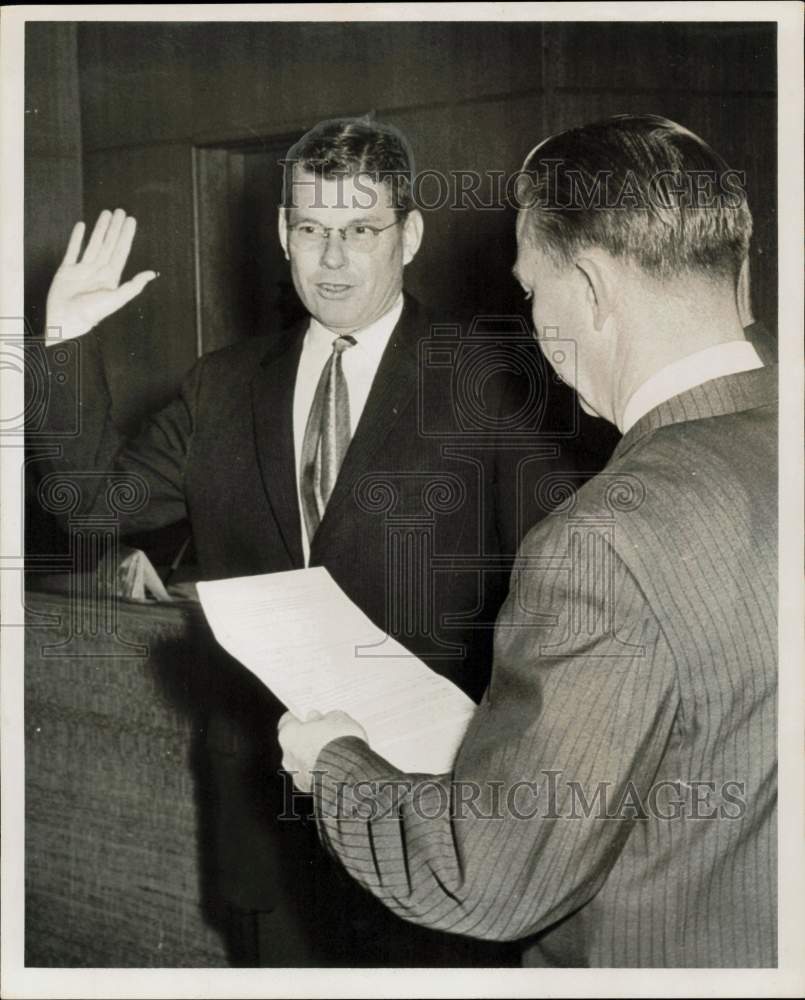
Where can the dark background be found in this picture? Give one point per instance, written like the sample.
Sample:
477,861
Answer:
181,124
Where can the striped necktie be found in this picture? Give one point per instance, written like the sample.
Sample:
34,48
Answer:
327,437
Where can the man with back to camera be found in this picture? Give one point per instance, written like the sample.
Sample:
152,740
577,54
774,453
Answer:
271,483
621,768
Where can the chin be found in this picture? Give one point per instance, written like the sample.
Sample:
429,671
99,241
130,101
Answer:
333,317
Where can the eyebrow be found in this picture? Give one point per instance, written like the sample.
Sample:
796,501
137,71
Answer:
358,220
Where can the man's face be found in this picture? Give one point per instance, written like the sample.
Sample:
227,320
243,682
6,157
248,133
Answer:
561,314
345,288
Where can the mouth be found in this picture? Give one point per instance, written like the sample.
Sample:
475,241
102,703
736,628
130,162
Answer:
333,290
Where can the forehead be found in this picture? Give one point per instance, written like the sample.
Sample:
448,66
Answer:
349,197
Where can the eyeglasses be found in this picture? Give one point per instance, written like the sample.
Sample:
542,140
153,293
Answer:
357,235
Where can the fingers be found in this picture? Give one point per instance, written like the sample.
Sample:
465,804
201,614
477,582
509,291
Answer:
288,718
74,245
119,253
110,243
287,725
110,239
285,720
153,585
97,238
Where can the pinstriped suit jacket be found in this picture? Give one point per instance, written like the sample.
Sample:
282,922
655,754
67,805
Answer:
613,802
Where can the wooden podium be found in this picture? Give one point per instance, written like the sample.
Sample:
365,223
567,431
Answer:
114,805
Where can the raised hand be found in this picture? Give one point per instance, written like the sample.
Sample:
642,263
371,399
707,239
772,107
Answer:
86,291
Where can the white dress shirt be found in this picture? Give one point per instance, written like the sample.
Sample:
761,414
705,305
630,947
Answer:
702,366
360,364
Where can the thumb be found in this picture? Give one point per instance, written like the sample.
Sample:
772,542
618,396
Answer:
132,288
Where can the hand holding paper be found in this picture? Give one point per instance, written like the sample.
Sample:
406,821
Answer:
302,637
302,742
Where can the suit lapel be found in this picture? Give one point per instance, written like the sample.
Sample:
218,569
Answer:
272,409
394,385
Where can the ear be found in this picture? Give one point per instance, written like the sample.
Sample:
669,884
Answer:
413,228
282,226
598,273
743,295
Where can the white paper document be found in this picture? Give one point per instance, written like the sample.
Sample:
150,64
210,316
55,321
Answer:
301,635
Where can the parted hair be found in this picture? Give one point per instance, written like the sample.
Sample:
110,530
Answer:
351,147
641,187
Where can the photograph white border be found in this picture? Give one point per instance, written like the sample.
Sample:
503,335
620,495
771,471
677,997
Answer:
786,981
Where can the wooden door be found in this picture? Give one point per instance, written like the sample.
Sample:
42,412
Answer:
244,284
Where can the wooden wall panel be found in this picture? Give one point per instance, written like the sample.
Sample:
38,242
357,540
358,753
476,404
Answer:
151,342
472,250
53,180
218,179
182,80
469,96
53,197
244,279
661,57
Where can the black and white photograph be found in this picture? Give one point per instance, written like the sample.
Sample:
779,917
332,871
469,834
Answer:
402,500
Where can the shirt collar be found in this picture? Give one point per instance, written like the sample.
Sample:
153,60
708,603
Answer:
371,340
702,366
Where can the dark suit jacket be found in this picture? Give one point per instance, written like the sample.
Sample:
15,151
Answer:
634,698
435,491
428,492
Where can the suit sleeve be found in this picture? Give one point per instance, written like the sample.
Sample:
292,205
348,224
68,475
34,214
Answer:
578,715
141,480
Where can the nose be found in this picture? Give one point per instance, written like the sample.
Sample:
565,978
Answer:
332,254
